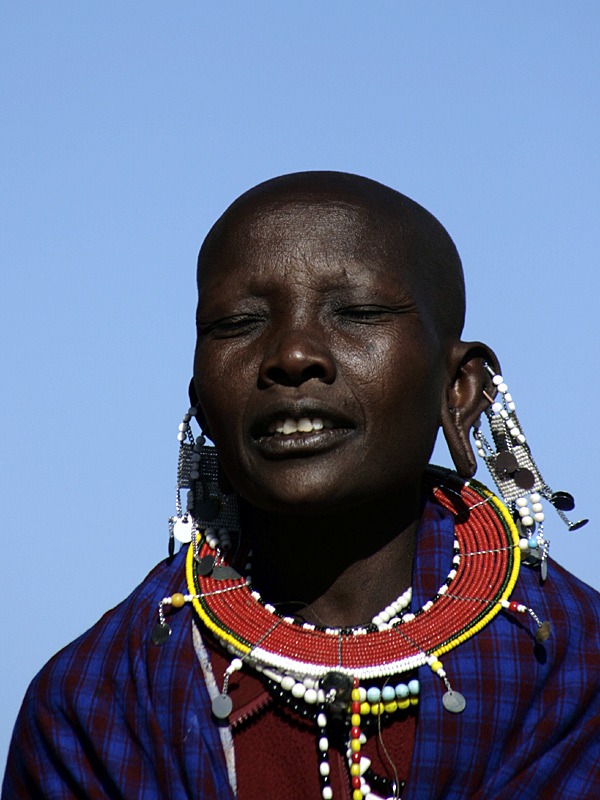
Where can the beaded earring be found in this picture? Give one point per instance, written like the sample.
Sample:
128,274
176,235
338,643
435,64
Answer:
517,477
207,507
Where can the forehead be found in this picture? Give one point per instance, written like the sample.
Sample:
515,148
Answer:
300,234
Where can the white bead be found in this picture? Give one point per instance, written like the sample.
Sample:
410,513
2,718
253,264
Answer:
362,692
496,407
362,738
502,388
441,673
514,432
481,453
539,517
183,426
523,511
298,690
364,763
504,414
521,439
324,768
511,406
536,507
323,744
521,502
327,793
322,720
523,544
310,696
181,437
497,380
527,521
287,683
521,608
236,664
309,682
508,397
535,497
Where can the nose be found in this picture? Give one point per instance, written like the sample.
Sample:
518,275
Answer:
296,357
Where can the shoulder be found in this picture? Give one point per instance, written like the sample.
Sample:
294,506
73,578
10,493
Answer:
106,694
119,638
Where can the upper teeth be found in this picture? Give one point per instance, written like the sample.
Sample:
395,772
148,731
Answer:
303,425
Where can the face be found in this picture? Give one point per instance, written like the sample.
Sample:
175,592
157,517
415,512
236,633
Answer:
318,367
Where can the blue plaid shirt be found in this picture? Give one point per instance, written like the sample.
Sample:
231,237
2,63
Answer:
114,716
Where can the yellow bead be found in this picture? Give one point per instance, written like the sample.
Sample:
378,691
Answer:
436,665
355,745
376,709
355,720
355,769
357,795
414,701
177,600
355,695
391,707
402,704
365,708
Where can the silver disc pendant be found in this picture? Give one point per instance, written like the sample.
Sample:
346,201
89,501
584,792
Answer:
454,702
221,706
205,566
182,530
544,569
160,633
225,573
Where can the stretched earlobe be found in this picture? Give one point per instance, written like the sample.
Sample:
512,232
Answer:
200,418
464,399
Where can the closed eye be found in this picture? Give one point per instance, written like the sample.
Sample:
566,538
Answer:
229,327
370,314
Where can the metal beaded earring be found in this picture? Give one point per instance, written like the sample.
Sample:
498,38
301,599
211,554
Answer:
207,508
516,475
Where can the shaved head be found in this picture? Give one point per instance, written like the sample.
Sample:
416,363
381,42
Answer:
359,216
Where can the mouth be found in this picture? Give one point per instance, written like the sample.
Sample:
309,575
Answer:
302,432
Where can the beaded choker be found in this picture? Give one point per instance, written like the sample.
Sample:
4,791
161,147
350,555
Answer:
326,667
483,573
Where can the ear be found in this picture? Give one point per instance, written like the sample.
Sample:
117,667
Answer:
200,418
464,399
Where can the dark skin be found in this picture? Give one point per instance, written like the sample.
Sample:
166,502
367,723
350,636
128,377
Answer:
311,308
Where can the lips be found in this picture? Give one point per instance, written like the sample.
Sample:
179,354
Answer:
300,430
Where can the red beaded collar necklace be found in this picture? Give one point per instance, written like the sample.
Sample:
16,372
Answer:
484,571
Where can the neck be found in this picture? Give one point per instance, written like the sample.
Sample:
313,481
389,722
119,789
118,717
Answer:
335,569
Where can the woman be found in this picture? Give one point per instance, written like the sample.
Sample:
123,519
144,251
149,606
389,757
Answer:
351,632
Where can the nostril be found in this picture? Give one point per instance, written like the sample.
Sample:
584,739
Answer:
280,376
292,378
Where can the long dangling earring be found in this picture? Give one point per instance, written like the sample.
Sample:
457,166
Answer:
516,475
207,508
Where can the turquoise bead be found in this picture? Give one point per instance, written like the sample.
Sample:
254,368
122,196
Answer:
533,542
373,694
413,687
388,694
402,691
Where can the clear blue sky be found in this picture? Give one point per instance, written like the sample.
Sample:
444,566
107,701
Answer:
127,128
